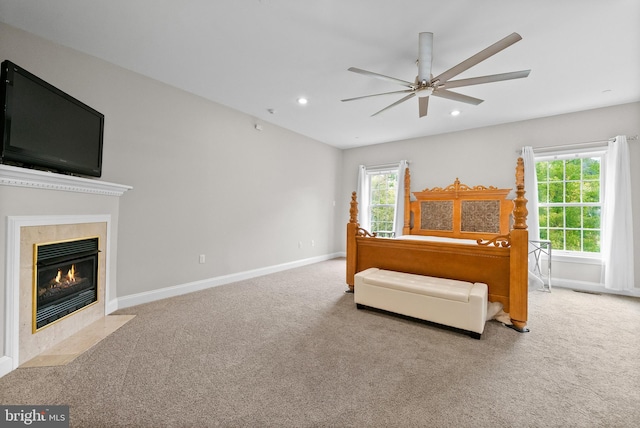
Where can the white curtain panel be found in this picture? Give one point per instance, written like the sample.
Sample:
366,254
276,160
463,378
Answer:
533,222
362,194
398,220
617,219
531,193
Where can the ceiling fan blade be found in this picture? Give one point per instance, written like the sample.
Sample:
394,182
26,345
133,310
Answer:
443,93
382,76
411,95
486,79
479,57
375,95
425,52
423,106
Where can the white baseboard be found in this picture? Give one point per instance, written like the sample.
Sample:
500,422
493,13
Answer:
111,306
177,290
6,365
591,287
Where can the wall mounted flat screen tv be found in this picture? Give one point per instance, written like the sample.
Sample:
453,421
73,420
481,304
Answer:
43,127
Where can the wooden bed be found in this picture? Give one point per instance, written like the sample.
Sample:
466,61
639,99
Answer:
481,236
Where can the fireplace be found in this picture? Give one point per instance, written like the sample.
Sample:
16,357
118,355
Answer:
65,279
90,209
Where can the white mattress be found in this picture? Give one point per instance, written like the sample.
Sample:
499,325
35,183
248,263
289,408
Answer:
439,239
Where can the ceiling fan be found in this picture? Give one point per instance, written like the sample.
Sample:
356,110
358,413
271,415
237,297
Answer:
426,85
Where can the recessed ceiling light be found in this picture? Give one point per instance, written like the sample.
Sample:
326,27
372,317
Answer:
455,112
302,101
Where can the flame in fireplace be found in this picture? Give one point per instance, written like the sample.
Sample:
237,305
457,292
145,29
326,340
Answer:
71,275
69,278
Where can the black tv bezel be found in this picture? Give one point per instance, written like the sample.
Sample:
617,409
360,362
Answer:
22,157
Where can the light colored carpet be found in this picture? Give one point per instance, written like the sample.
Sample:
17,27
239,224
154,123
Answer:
291,350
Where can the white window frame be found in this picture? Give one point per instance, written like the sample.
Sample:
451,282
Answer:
568,255
370,173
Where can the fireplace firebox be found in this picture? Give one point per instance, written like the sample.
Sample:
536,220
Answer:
65,279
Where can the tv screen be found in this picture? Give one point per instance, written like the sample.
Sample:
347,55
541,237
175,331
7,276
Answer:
43,127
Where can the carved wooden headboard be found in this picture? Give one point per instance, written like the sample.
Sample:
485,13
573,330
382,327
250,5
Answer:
459,211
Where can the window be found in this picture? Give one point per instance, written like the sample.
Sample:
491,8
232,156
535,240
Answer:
570,201
381,198
383,186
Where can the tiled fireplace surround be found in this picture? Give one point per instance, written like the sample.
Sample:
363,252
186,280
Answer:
22,232
31,344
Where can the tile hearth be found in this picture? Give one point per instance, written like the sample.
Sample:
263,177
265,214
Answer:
72,347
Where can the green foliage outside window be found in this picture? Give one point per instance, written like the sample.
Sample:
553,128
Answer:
570,203
383,188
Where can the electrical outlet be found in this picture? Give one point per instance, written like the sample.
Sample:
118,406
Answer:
313,243
299,244
201,259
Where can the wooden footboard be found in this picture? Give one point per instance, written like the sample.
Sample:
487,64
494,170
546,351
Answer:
500,262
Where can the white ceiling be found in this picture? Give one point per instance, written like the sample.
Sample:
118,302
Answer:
261,55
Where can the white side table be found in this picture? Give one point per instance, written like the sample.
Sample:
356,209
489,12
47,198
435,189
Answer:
537,249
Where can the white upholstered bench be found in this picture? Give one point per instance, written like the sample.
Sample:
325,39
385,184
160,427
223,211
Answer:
458,304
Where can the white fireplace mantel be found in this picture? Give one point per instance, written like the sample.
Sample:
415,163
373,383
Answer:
23,177
106,202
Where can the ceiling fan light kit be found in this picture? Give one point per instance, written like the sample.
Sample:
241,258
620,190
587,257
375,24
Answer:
425,85
425,92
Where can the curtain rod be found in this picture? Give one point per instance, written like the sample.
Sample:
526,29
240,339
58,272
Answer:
577,145
386,165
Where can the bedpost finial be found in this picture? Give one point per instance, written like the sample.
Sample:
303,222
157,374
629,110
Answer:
353,211
406,227
407,181
520,172
520,202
